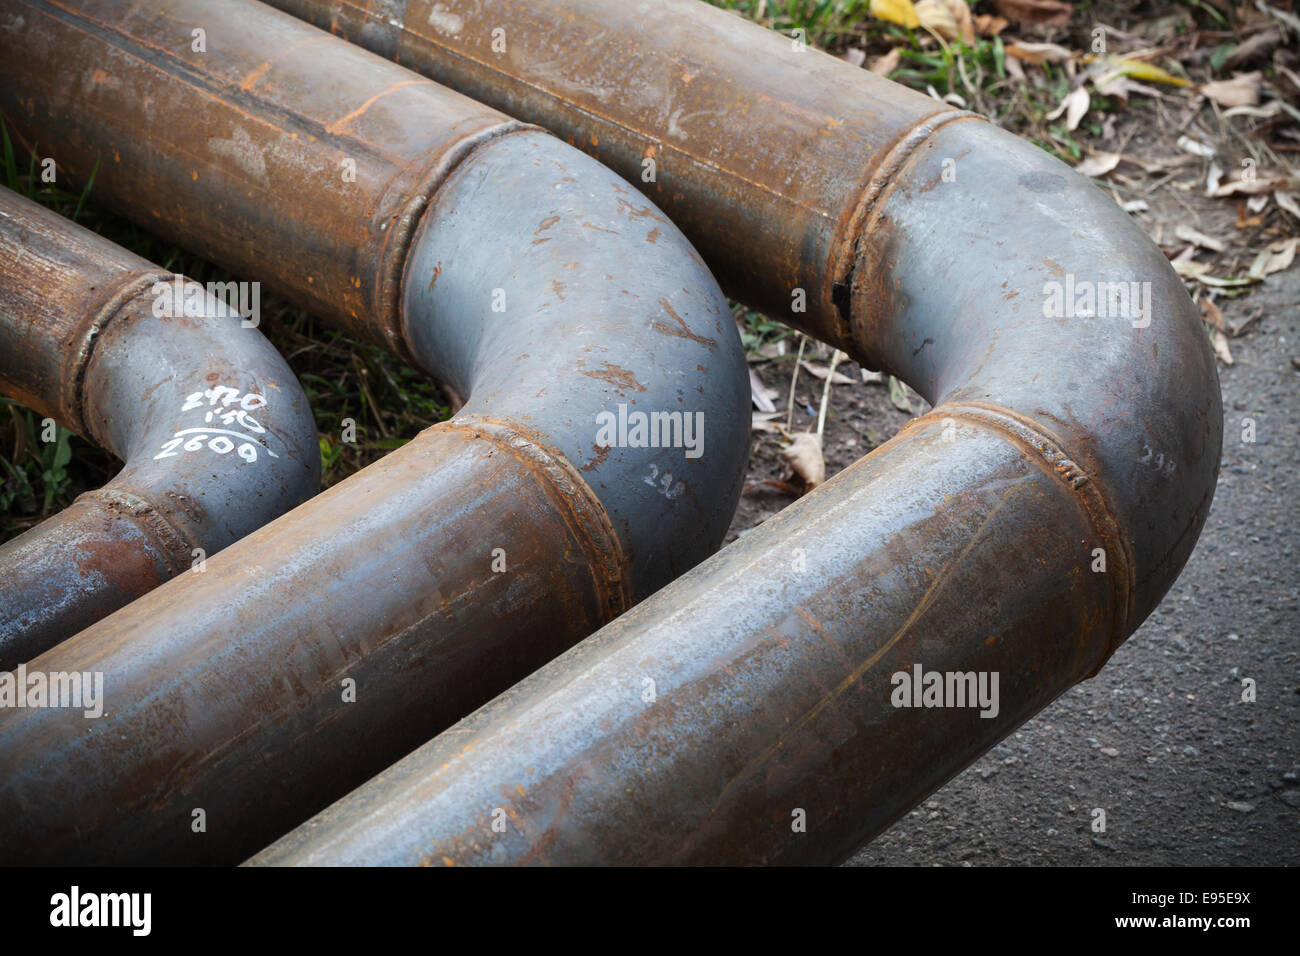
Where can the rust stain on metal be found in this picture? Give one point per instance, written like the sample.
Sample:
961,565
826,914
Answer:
615,375
633,211
682,330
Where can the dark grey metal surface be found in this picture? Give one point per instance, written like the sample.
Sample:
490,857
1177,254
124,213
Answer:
746,713
213,428
605,305
229,691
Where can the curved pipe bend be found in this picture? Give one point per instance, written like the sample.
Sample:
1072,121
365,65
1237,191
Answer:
319,649
555,297
1021,530
211,424
1070,335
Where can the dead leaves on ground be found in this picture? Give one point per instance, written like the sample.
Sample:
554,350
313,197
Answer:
1035,13
804,454
1225,103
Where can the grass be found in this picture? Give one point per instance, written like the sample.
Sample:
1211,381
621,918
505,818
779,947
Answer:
977,74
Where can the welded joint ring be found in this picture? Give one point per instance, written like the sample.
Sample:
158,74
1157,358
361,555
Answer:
848,238
77,361
581,509
1032,437
438,168
170,538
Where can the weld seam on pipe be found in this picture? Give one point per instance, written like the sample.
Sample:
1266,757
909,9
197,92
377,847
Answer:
78,360
441,163
582,509
1046,450
880,178
175,545
86,344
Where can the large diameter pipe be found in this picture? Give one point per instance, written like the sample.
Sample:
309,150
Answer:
214,430
322,648
1019,532
796,172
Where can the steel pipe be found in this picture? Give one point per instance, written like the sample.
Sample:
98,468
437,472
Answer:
320,649
214,430
771,705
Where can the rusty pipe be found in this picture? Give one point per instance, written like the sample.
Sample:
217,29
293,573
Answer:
1021,530
214,430
318,650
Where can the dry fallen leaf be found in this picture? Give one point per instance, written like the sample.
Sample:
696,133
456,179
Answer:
898,395
1213,315
960,11
1189,268
1038,53
1221,348
1276,258
937,18
1098,164
854,56
1187,233
901,12
804,456
1139,70
1261,44
1195,147
760,394
1287,202
888,63
987,25
1074,106
1038,13
1241,90
1256,182
819,372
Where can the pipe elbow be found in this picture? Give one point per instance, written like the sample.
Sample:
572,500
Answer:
579,320
212,426
1016,296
